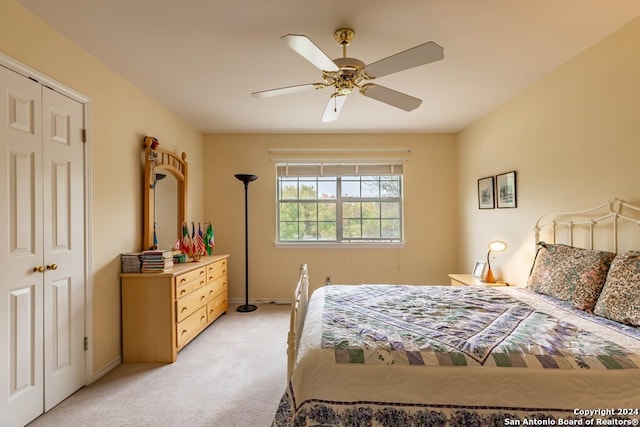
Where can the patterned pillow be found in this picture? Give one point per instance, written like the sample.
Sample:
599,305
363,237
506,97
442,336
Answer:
570,274
620,298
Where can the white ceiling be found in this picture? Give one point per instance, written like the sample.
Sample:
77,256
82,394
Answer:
203,58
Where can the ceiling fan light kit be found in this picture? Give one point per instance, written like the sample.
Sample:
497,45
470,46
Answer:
347,74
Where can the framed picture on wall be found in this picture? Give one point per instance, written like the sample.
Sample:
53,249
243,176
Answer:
506,190
486,193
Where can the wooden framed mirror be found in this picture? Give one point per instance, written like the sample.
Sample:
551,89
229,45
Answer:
159,164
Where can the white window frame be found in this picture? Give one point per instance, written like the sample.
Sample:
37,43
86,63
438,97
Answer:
340,171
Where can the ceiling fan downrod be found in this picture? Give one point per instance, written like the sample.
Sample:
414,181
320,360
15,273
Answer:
344,36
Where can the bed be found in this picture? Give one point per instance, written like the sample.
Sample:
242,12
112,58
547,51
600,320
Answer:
562,350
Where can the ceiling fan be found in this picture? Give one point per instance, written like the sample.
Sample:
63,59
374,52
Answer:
346,74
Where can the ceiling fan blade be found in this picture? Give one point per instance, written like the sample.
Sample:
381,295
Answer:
419,55
392,97
309,51
332,110
284,90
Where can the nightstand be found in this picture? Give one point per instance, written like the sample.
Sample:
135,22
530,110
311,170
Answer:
469,280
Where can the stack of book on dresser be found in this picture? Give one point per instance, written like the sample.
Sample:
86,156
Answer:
131,262
156,261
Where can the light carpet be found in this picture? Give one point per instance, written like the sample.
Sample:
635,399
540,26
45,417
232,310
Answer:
232,374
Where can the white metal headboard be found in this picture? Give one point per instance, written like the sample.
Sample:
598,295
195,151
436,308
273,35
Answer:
609,216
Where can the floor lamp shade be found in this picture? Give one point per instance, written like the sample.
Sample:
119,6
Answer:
246,179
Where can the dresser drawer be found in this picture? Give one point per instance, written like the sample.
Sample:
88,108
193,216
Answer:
216,307
219,285
211,292
222,302
191,326
189,276
217,269
190,303
188,287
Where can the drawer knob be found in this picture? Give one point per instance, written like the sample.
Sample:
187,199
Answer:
183,309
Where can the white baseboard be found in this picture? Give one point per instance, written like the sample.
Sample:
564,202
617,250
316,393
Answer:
260,301
106,369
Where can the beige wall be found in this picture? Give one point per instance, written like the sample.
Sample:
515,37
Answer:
574,140
429,194
122,115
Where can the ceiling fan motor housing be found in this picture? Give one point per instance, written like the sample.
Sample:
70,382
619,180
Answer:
351,74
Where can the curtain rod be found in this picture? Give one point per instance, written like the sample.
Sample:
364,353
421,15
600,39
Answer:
339,150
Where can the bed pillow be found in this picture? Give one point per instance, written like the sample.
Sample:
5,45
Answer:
620,297
574,275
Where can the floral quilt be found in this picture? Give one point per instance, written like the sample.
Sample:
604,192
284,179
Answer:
473,333
392,324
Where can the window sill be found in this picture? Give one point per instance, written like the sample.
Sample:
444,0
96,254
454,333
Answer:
332,245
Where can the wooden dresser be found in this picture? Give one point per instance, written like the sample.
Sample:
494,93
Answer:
162,312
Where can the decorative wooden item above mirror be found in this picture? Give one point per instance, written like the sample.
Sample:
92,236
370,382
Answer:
158,163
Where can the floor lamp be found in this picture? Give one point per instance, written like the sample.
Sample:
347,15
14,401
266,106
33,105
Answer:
246,179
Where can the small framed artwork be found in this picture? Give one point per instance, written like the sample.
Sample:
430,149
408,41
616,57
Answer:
485,193
506,190
479,270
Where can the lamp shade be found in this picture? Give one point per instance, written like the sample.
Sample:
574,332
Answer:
497,246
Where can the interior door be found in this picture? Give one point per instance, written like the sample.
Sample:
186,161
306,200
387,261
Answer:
42,227
21,250
63,232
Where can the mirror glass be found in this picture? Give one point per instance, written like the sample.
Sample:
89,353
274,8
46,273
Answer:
166,210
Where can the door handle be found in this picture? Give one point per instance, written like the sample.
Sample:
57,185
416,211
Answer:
38,269
52,267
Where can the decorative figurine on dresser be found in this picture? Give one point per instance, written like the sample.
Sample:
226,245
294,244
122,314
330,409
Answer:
169,295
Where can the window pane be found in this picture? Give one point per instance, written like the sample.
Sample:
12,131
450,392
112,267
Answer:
371,228
350,188
288,211
390,210
309,230
370,210
370,186
351,210
390,228
327,212
390,186
327,189
327,231
308,190
308,211
351,228
288,231
289,189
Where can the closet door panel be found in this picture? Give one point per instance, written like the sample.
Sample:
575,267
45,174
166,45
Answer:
21,250
63,237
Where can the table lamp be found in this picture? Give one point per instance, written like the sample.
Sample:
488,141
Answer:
494,246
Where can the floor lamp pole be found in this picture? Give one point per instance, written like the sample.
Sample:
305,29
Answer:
246,179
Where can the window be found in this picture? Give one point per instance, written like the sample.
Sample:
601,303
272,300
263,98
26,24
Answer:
339,203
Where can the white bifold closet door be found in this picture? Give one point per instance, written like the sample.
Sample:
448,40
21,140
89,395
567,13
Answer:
42,253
